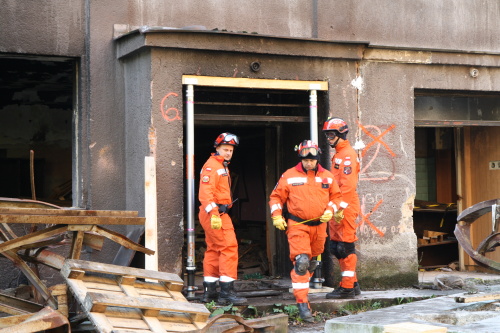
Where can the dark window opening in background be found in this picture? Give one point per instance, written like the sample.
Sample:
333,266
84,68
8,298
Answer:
36,113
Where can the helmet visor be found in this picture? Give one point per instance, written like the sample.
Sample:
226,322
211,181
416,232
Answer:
308,151
330,135
231,139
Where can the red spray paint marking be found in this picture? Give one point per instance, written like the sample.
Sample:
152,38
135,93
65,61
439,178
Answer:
364,218
165,113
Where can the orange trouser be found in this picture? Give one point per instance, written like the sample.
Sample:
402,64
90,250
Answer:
221,257
345,231
348,270
309,240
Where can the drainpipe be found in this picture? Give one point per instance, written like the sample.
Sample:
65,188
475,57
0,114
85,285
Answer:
317,280
313,115
190,267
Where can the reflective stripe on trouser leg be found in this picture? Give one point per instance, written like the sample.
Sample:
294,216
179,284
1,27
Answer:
300,285
221,256
348,269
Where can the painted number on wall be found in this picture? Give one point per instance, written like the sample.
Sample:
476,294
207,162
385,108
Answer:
169,114
495,165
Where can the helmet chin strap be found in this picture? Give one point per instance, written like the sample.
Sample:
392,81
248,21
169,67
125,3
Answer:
335,143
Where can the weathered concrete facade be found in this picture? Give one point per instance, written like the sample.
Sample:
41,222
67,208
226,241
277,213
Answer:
374,55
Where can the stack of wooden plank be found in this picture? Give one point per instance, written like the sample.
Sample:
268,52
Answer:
117,298
431,237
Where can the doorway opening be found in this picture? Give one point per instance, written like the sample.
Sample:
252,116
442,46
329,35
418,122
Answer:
36,128
269,122
435,208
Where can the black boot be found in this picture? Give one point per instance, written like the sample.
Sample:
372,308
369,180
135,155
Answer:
357,289
210,292
305,312
228,296
341,292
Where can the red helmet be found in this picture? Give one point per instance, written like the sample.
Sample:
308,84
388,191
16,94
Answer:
335,127
226,139
308,149
335,124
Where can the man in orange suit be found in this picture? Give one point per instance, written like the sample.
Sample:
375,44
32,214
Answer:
345,168
220,263
312,197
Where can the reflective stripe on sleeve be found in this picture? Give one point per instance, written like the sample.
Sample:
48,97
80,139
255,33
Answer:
210,207
303,285
344,204
274,207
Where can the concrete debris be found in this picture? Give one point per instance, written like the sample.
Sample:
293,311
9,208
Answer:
447,282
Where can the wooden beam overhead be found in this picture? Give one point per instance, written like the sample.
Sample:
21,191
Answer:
213,81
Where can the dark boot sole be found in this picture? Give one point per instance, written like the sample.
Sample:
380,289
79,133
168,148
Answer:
351,296
227,302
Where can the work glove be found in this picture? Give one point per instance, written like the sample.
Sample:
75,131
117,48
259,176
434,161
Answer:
327,216
339,215
215,222
279,222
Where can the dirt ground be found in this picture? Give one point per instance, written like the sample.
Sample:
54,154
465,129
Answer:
318,327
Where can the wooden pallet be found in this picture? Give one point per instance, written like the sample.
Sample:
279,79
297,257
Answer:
124,299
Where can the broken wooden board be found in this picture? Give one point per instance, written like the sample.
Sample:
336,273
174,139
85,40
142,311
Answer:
17,306
117,298
477,298
45,319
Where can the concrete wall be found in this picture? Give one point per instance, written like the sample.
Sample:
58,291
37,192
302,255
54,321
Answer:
387,182
53,27
452,25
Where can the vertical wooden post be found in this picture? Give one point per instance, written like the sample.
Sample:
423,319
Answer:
151,228
464,260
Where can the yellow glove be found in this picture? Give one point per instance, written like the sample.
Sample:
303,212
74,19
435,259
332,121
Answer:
279,222
339,215
327,216
215,222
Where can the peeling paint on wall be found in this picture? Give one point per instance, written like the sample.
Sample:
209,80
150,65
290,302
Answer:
358,83
406,223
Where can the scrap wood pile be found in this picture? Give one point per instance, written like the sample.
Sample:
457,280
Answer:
106,298
118,290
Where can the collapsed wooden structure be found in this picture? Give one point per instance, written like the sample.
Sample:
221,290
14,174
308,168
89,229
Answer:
113,298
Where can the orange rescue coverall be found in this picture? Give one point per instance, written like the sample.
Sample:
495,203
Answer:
345,168
221,257
307,196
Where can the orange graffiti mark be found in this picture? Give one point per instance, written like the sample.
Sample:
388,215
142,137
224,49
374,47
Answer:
364,218
377,139
165,113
